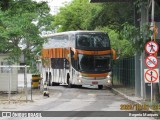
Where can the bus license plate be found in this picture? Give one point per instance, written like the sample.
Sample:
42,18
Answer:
94,82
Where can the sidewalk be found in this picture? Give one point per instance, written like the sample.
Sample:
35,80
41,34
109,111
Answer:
129,93
18,101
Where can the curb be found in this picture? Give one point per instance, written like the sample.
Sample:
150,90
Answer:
129,98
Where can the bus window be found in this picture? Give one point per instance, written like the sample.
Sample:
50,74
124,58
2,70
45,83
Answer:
83,41
92,41
94,63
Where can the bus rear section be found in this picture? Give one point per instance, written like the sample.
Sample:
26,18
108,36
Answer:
55,62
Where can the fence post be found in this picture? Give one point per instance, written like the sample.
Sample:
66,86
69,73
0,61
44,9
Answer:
10,82
137,76
25,79
31,89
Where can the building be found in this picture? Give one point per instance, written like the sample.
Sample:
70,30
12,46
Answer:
8,76
96,1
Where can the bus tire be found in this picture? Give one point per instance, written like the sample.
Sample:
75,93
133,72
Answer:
79,86
49,83
68,77
68,82
70,85
49,79
55,84
100,86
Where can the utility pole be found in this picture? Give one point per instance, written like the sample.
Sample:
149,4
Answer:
153,37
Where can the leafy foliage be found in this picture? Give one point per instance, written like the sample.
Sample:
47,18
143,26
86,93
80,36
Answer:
20,25
137,36
122,46
74,16
113,15
82,15
108,17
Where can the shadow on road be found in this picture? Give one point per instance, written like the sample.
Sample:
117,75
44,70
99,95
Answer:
88,87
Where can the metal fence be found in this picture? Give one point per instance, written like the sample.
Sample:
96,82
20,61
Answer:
16,84
124,75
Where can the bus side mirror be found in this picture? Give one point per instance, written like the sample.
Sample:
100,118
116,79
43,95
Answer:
113,54
75,55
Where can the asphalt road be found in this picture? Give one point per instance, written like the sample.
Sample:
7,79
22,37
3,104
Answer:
76,103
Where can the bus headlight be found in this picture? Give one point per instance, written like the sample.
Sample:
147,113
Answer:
108,81
80,81
108,77
80,76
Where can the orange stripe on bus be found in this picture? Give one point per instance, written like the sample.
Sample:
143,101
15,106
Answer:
113,54
66,52
45,53
63,52
55,53
94,75
50,53
91,52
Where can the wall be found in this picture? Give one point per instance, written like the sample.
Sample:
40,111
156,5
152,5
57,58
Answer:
7,75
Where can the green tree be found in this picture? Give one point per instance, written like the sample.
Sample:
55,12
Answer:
82,15
108,17
113,15
75,16
123,47
20,25
4,4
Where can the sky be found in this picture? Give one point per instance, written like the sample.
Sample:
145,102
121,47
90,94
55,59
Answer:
52,3
55,2
58,2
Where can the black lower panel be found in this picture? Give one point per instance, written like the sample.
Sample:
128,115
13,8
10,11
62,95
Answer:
59,63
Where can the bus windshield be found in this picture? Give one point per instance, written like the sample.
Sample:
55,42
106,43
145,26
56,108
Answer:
94,63
92,41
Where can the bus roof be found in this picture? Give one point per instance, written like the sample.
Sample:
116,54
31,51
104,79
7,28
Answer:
72,32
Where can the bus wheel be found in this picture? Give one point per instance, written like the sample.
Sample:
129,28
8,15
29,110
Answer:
49,79
79,86
100,86
70,85
55,84
68,82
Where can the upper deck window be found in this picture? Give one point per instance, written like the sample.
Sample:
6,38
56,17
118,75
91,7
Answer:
92,41
56,41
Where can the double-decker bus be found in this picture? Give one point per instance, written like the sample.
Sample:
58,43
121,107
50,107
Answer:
78,58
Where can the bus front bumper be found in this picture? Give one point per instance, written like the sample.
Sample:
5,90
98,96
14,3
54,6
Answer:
107,81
